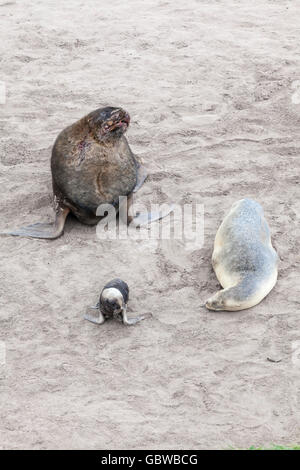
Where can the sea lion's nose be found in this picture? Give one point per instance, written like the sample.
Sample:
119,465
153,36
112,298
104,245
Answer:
126,117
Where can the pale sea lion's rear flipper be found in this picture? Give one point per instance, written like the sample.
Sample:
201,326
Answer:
41,230
97,320
252,288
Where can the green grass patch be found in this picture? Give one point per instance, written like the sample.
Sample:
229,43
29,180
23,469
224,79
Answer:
276,447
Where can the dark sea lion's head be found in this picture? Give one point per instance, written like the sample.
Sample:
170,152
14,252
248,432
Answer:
108,124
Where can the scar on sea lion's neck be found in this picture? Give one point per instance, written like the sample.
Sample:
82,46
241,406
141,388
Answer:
82,146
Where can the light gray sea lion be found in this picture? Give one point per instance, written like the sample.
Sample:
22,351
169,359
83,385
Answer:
244,259
92,164
113,304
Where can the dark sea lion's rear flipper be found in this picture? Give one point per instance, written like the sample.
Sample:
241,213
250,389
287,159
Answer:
41,230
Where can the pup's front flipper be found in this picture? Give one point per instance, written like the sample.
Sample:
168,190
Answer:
97,320
132,321
96,307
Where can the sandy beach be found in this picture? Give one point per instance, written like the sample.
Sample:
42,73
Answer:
213,90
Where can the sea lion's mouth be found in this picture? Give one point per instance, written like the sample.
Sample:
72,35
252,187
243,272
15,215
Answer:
117,124
122,124
118,316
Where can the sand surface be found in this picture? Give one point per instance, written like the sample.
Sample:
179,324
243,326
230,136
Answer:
213,89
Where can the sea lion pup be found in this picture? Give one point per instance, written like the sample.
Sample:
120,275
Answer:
113,304
92,164
244,259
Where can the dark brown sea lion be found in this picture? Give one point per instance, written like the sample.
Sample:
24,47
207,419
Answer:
113,304
92,164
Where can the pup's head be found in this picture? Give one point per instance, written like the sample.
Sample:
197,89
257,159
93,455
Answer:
112,303
108,124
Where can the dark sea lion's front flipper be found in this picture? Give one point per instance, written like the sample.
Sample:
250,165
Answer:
144,218
141,175
97,320
149,217
41,230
